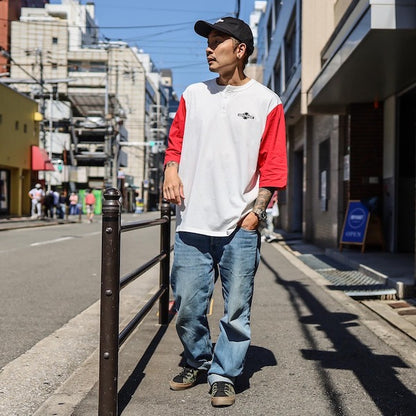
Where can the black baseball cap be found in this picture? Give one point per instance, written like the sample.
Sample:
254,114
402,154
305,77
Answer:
232,26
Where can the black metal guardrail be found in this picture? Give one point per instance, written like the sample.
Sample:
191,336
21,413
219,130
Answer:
111,284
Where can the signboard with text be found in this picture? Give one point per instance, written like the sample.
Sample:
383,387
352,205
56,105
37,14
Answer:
355,224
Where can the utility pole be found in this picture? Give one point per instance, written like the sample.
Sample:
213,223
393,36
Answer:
108,127
42,97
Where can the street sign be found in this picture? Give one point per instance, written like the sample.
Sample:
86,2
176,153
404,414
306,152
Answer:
355,224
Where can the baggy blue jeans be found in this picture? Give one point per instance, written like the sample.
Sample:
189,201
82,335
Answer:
198,259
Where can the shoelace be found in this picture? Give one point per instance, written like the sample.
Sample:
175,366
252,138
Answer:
226,389
187,372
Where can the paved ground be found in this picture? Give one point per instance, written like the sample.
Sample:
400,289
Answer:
315,351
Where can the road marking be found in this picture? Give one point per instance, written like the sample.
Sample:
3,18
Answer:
56,240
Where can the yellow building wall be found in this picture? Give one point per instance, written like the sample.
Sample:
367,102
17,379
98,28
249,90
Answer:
18,132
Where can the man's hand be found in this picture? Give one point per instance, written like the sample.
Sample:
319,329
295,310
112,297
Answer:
249,222
172,185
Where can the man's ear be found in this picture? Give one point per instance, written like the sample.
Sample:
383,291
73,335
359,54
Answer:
241,49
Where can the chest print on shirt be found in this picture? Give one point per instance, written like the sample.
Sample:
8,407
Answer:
245,116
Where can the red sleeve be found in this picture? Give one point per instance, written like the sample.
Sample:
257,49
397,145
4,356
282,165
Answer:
174,150
272,162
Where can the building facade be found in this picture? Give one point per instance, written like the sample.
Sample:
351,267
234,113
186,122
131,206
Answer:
19,134
111,88
347,79
10,11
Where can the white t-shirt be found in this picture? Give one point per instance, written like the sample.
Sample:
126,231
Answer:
228,141
37,194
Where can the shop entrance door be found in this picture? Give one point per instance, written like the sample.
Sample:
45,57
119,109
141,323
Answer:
4,192
406,173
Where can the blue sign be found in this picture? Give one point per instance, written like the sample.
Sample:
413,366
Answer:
355,224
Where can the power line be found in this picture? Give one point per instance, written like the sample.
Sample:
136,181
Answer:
59,23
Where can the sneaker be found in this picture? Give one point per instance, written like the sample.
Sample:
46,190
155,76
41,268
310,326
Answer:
222,394
185,379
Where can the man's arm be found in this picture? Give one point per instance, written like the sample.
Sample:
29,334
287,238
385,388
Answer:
251,220
263,199
172,184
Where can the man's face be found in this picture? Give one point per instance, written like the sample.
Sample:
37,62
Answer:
221,52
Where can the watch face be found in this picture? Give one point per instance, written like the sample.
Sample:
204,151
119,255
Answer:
263,215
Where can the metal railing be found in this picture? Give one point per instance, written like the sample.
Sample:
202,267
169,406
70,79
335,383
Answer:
111,284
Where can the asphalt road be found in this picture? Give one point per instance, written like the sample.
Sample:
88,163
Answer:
51,274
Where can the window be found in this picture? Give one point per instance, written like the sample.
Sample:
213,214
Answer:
25,128
269,32
276,8
54,66
1,118
324,174
54,41
277,75
99,66
290,51
16,125
87,66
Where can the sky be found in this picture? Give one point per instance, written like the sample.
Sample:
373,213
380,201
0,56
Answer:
164,30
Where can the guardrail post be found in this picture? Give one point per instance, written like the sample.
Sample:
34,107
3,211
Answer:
165,264
110,303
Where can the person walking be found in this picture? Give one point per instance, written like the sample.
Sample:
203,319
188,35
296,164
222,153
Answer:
272,212
225,158
36,195
90,205
73,204
48,203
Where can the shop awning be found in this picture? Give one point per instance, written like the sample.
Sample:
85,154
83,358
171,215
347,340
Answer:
40,159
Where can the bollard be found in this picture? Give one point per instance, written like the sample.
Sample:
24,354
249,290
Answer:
110,302
165,264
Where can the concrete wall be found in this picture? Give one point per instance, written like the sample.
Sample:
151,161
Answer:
33,42
128,82
317,26
322,224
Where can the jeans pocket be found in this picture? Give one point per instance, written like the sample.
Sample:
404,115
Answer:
255,231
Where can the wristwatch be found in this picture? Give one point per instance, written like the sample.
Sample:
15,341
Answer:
261,214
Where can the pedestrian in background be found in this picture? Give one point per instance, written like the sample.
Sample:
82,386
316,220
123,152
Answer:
62,204
226,157
272,211
90,205
73,203
56,206
48,203
36,195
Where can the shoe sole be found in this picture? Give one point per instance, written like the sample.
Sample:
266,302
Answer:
222,401
180,386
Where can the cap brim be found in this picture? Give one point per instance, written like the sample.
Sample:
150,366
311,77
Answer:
203,28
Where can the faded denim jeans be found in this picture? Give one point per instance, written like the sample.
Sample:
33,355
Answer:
197,261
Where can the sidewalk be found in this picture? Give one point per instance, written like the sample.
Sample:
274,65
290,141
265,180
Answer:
393,270
14,223
314,350
276,376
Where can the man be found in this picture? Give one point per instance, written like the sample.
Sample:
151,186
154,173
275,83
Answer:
226,156
36,194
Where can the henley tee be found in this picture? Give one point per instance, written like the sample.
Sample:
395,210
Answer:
228,142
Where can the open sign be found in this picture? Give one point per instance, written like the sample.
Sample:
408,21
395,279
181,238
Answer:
355,223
